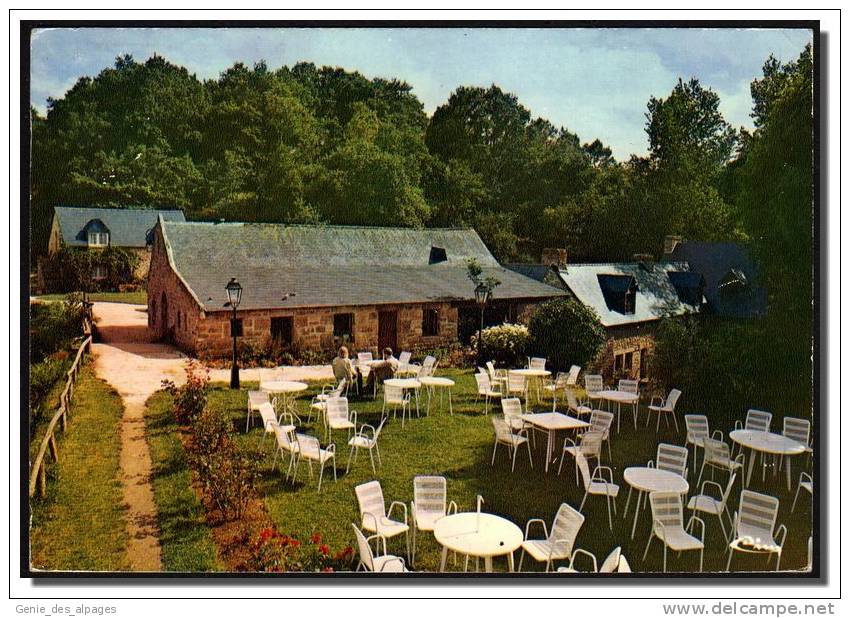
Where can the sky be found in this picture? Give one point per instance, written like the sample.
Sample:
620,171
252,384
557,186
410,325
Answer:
595,82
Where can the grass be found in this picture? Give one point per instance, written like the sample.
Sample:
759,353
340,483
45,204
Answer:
459,447
79,525
139,297
45,409
187,544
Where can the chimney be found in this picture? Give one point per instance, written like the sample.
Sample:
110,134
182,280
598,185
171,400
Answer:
670,243
643,257
554,257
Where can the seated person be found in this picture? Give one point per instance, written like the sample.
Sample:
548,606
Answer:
344,370
383,370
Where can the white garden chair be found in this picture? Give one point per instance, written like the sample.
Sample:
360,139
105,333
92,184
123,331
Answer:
395,398
597,484
429,365
374,516
498,377
513,440
428,505
366,438
512,413
572,375
718,456
610,565
287,444
405,368
311,451
518,387
266,412
536,363
697,430
592,385
255,400
380,563
756,420
486,390
633,387
717,505
601,422
339,417
558,384
672,459
797,429
318,403
624,566
665,407
806,482
576,406
557,544
754,528
668,526
589,446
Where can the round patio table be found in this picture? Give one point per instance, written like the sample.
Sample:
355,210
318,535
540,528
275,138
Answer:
407,384
770,443
534,374
286,389
647,480
444,384
480,535
620,397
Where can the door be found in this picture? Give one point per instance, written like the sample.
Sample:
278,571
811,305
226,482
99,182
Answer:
388,330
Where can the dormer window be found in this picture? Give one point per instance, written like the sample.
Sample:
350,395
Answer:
620,292
734,279
98,239
438,254
689,286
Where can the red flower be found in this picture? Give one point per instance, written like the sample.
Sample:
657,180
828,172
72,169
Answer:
328,570
266,534
295,542
316,538
324,549
283,540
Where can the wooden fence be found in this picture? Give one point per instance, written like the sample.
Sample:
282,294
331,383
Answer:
38,469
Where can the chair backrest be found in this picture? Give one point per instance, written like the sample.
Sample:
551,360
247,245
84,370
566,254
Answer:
565,528
255,398
592,383
583,468
610,564
696,426
601,421
429,494
364,357
370,499
572,376
758,420
511,406
516,382
590,444
798,429
624,566
757,513
308,446
672,458
728,491
404,358
572,402
379,428
483,381
672,398
716,451
503,431
628,386
339,389
428,363
337,408
393,394
561,380
285,438
666,509
536,363
491,369
363,548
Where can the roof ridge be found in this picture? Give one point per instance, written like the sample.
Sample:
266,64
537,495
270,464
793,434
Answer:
327,226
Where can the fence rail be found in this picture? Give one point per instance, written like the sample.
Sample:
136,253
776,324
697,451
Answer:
38,470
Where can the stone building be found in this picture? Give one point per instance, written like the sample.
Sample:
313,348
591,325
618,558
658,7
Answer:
316,287
97,228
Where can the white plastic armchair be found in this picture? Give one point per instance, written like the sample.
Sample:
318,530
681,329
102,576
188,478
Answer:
756,420
668,526
609,565
486,390
664,407
696,431
379,561
798,429
428,505
429,366
338,416
512,411
592,385
601,421
310,450
536,363
512,439
589,446
718,456
318,403
600,483
577,406
404,367
553,386
572,375
754,527
518,387
266,412
366,438
396,398
672,459
557,544
287,444
255,400
716,504
374,516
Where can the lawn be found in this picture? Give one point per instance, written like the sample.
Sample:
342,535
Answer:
459,447
139,297
79,525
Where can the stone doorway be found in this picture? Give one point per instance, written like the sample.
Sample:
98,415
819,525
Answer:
388,330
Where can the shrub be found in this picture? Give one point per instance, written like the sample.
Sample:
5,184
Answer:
71,268
53,327
506,344
277,553
190,398
228,477
566,333
43,376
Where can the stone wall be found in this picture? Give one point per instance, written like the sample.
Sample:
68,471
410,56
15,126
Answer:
634,345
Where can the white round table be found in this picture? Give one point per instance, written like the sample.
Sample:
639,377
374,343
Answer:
647,480
444,384
407,384
620,397
770,443
285,388
480,535
535,374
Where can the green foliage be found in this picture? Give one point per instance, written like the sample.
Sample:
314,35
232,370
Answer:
566,332
190,398
43,377
507,344
71,268
53,327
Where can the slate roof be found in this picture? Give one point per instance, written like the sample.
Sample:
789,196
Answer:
128,227
282,266
655,298
714,260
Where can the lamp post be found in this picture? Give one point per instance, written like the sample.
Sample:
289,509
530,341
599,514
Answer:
482,295
234,297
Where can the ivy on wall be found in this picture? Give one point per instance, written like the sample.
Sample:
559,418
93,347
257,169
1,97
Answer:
73,268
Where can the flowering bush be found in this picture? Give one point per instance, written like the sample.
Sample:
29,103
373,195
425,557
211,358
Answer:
506,345
273,552
190,398
566,333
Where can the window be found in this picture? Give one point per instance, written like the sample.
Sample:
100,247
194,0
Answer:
627,362
98,272
98,239
343,328
619,291
437,255
281,330
430,322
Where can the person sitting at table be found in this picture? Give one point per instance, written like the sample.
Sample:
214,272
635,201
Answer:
344,370
382,370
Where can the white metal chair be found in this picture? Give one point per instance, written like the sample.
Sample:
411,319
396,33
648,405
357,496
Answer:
589,445
428,505
287,443
366,438
576,406
405,368
697,430
609,565
572,375
429,365
666,407
718,456
266,412
756,420
318,403
754,528
338,416
486,390
633,387
717,505
602,421
668,526
536,363
513,440
797,429
380,563
498,377
624,566
374,516
672,459
592,385
597,484
311,451
512,413
255,400
806,482
396,398
557,544
518,387
558,384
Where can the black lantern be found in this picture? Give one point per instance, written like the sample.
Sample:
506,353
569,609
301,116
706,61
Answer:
234,297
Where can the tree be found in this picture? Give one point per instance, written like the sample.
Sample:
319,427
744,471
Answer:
566,332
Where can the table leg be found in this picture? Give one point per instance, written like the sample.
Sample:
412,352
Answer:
488,564
550,438
628,499
451,412
511,562
443,559
750,466
618,417
637,512
788,472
